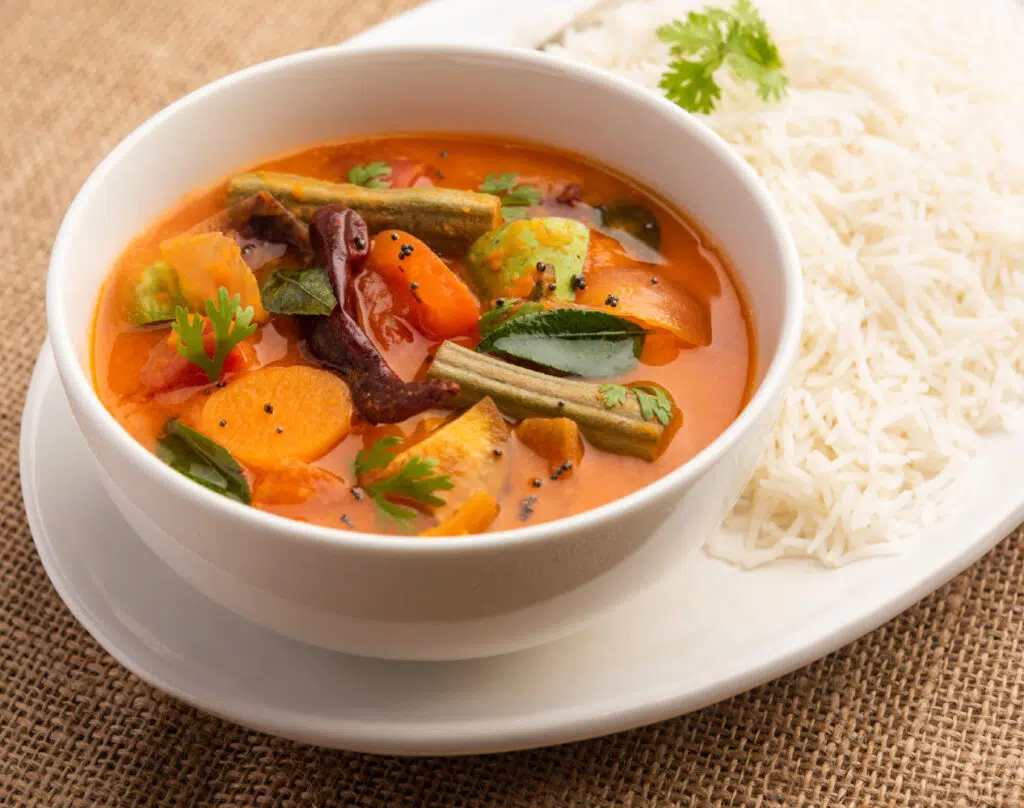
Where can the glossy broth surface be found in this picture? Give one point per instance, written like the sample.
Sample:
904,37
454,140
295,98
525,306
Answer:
709,385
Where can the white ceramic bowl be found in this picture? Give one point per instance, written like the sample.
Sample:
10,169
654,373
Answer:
442,598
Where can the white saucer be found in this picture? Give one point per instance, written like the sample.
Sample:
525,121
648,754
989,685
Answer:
709,633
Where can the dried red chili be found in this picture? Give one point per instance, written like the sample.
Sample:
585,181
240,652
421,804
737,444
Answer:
340,240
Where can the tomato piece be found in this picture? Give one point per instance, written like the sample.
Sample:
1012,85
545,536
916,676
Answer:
407,174
166,369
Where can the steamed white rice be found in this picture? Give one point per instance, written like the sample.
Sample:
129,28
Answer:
898,159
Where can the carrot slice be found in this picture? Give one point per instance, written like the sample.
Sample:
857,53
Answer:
276,414
662,307
475,516
440,304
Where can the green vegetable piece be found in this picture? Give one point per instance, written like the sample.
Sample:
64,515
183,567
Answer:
415,481
577,342
497,260
231,324
713,37
634,220
298,291
156,295
371,175
203,461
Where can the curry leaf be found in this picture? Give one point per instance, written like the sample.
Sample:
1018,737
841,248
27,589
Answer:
509,309
203,461
298,291
577,342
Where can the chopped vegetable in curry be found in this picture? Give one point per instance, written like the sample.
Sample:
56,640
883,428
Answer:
352,337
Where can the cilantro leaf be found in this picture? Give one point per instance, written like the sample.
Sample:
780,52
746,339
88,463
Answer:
415,481
230,323
515,198
512,213
713,37
614,395
654,402
522,195
377,456
370,175
498,184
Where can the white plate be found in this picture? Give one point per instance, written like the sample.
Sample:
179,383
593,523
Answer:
709,632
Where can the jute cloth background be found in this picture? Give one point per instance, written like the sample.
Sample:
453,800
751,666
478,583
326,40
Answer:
927,711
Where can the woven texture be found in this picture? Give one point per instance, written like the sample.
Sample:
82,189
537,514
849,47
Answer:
927,711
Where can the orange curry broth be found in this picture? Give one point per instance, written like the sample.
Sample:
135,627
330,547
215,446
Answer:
710,385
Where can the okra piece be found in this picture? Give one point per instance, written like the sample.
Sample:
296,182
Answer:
522,393
448,220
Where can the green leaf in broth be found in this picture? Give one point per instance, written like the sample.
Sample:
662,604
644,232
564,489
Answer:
634,220
203,461
577,342
298,291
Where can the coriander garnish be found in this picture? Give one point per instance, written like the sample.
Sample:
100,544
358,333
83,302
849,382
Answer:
737,37
516,199
654,402
370,175
414,481
230,322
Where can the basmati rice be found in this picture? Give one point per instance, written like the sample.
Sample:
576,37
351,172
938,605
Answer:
898,159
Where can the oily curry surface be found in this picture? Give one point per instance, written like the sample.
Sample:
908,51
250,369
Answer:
623,271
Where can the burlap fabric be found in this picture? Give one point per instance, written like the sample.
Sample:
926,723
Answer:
927,711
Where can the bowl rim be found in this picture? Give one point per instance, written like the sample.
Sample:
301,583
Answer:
78,383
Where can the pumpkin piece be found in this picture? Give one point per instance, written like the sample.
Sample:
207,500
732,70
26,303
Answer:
291,483
276,414
557,440
662,306
207,261
465,450
474,516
